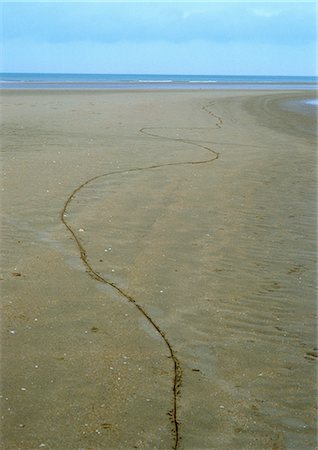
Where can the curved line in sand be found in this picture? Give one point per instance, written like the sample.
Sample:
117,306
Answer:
177,370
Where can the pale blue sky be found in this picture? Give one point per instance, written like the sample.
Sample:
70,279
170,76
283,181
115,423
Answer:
240,38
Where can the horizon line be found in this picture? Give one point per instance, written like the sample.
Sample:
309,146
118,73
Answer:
163,74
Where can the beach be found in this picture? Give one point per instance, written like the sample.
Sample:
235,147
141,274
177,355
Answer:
158,255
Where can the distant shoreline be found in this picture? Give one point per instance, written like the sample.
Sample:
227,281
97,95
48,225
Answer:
153,81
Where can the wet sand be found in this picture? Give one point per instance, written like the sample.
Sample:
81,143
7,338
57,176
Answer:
158,286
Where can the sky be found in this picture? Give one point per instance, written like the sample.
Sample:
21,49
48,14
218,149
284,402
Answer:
166,37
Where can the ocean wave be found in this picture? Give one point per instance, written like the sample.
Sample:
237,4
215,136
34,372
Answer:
155,81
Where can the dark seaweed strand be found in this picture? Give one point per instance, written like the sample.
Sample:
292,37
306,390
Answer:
177,378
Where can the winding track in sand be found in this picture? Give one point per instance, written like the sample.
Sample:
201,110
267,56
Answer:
177,370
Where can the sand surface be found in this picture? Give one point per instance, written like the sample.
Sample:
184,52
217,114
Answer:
158,286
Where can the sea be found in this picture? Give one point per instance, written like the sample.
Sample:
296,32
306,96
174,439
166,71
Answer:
152,81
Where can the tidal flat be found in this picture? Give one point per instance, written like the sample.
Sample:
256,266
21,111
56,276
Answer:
158,270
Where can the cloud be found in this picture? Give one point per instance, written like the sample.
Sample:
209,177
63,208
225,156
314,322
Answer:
170,22
265,13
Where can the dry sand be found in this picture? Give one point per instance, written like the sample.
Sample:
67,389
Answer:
211,313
